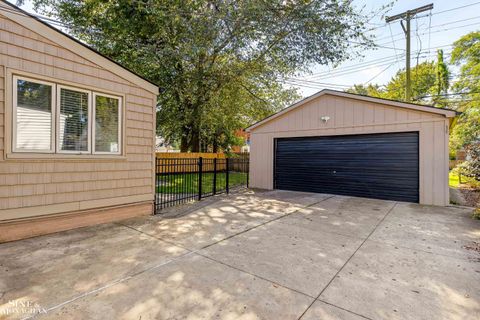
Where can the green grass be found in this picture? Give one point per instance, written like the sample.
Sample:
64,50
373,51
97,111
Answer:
454,182
188,183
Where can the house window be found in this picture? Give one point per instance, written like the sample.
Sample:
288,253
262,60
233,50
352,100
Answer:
33,115
51,118
73,120
107,124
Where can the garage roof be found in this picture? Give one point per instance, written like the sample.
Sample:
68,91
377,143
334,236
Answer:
42,28
446,112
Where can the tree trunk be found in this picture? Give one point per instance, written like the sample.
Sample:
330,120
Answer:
184,144
215,144
195,141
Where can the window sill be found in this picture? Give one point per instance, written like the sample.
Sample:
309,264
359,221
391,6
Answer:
60,156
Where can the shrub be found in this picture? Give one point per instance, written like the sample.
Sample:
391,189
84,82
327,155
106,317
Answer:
476,214
471,167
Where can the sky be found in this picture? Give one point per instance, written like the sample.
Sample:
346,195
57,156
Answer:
438,29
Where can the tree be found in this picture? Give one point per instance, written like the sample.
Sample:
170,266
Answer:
442,75
471,167
423,80
441,86
203,53
372,90
429,80
466,54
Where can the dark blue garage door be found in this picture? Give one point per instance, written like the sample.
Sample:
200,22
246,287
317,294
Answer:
382,166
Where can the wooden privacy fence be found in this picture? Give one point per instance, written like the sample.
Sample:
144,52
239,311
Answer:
176,167
188,155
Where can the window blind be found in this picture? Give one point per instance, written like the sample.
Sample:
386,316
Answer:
33,116
73,122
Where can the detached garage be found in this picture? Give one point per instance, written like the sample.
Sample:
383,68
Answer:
346,144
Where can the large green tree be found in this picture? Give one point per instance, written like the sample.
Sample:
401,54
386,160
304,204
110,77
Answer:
423,82
372,90
430,83
423,77
211,56
466,54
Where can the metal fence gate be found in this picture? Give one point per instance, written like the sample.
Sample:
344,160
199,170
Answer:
181,180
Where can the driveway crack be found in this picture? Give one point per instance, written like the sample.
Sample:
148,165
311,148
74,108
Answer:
266,222
154,237
346,262
252,274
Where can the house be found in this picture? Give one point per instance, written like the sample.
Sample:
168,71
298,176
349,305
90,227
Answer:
341,143
161,145
77,132
245,146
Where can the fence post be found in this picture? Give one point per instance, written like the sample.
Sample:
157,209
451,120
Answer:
155,209
227,160
247,165
200,165
214,176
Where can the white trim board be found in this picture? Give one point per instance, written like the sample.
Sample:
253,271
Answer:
445,112
82,50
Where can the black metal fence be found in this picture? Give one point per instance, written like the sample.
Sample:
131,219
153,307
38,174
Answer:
181,180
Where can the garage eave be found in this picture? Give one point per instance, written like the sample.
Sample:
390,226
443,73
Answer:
445,112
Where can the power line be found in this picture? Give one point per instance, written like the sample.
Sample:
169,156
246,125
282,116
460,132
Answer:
318,83
393,43
436,31
46,19
374,77
448,94
369,63
433,13
311,86
452,9
360,67
434,26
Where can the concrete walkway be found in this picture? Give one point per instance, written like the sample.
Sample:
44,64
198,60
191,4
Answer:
267,255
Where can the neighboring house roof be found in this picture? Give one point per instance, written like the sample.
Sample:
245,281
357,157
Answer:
446,112
33,23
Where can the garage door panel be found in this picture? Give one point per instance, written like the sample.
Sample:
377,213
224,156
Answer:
383,166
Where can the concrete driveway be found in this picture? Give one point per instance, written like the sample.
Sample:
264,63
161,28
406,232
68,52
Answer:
263,255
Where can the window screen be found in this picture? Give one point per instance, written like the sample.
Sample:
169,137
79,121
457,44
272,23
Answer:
73,121
107,119
33,116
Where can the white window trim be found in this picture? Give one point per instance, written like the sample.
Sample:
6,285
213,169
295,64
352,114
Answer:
89,125
120,123
15,79
53,153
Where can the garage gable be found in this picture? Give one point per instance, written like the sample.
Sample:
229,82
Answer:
332,109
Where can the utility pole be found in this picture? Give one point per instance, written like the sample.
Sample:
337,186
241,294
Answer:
407,16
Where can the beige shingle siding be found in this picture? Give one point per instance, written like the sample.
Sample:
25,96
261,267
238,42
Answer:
2,113
41,182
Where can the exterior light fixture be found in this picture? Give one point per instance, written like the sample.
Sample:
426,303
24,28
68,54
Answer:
325,119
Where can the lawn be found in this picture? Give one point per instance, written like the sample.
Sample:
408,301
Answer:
188,183
454,182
